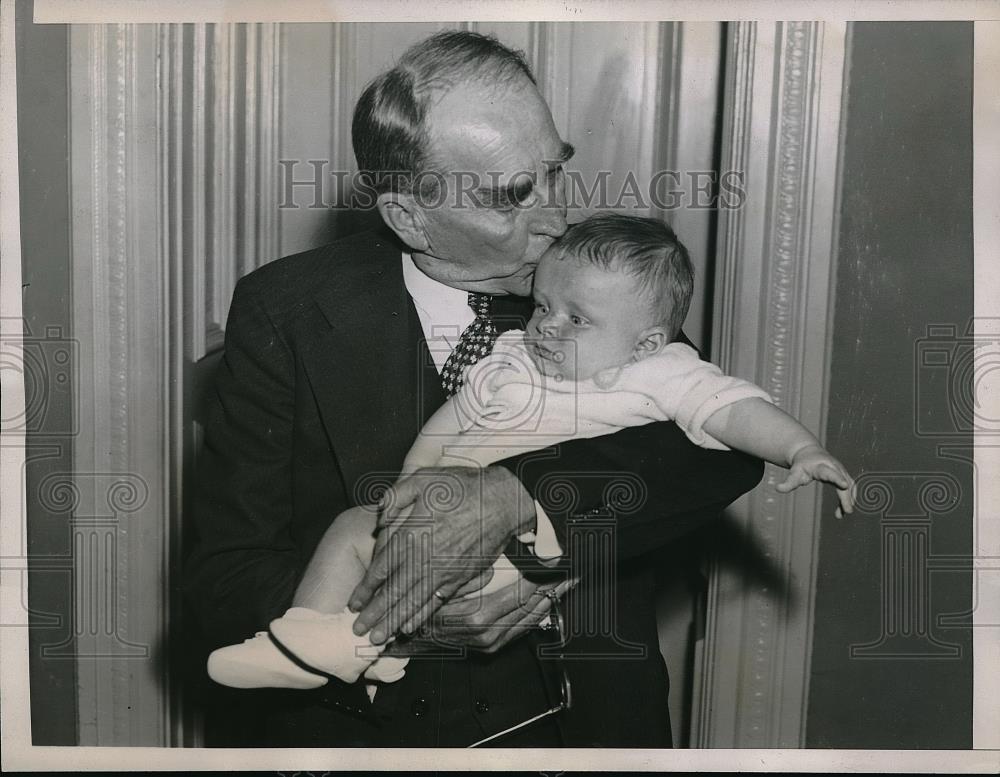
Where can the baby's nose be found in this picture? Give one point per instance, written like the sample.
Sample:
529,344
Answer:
546,327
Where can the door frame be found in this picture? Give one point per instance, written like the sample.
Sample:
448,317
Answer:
784,89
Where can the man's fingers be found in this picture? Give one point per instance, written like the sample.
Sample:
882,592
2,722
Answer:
423,614
563,588
384,583
381,617
407,590
476,583
374,578
416,600
529,621
440,596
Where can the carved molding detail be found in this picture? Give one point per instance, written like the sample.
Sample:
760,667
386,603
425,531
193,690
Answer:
667,93
783,92
784,296
193,108
119,306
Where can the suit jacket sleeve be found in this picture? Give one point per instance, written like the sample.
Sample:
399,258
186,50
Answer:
655,482
244,566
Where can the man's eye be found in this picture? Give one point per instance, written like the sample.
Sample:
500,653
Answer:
496,201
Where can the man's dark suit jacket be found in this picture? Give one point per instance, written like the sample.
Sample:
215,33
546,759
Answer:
324,385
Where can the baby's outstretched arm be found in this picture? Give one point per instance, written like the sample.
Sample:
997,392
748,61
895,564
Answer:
757,427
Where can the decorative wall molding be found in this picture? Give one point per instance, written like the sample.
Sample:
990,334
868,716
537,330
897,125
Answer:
193,108
782,109
119,310
223,92
689,67
346,89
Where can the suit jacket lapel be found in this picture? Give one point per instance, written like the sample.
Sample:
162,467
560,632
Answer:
368,368
371,373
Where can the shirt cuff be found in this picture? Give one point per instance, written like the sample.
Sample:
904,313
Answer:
543,540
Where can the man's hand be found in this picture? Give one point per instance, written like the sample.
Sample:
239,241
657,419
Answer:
459,521
486,622
814,462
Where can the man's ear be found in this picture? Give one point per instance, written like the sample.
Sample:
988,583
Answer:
650,341
403,216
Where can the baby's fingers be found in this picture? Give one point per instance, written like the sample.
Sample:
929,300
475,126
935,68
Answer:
846,497
796,478
834,475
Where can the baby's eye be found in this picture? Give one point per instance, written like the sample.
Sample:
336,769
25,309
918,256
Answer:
543,309
578,321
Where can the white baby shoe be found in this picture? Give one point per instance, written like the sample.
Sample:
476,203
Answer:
320,641
387,669
257,663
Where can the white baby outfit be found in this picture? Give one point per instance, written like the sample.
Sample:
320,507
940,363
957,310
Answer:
505,407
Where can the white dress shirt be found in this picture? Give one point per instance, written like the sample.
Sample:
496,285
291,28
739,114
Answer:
444,314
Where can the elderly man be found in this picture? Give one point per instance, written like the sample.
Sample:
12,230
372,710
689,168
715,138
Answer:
333,360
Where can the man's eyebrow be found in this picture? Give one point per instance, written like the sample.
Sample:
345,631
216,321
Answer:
515,191
520,187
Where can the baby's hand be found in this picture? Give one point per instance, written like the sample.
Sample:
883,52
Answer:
816,463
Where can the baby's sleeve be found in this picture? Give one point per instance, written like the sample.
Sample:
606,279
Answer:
690,390
481,402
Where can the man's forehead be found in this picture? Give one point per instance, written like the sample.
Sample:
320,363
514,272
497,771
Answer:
502,130
497,156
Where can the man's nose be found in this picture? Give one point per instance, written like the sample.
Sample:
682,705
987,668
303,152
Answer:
550,213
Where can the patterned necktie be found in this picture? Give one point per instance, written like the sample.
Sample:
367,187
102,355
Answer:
476,342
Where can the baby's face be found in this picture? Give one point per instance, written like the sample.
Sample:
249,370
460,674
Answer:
586,318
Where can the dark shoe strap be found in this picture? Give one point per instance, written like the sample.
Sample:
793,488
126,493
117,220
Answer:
333,679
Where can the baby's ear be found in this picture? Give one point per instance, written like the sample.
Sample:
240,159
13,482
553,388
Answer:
650,341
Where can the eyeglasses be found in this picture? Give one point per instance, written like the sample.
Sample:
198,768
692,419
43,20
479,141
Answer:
565,696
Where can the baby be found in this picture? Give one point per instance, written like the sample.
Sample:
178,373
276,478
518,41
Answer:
598,356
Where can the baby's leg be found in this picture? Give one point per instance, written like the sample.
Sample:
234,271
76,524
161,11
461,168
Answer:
339,563
317,629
